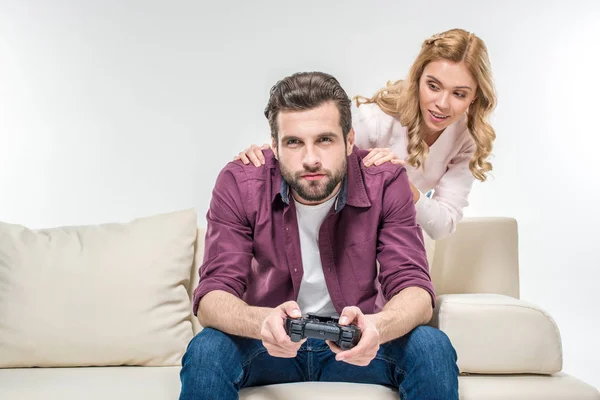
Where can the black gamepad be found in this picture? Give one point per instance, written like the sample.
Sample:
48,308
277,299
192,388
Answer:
326,328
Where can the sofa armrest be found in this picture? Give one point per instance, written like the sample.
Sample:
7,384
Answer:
497,334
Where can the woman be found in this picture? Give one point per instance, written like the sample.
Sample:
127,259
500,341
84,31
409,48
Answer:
435,123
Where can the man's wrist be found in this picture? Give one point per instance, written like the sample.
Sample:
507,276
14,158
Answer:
378,322
260,314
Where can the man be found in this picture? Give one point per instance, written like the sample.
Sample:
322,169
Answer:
302,235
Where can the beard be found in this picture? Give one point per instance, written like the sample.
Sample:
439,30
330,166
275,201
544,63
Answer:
313,190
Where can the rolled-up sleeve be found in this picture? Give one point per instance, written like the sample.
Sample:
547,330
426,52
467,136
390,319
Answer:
228,243
400,248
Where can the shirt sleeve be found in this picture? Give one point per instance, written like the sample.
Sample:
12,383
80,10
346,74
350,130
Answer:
440,214
228,243
400,247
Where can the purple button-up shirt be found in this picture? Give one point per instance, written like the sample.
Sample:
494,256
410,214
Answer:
252,248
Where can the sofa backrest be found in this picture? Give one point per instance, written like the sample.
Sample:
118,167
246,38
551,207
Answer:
195,278
480,257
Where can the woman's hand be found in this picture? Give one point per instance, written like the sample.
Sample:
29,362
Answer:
253,154
378,156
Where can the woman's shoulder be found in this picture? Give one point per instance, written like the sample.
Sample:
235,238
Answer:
371,111
382,128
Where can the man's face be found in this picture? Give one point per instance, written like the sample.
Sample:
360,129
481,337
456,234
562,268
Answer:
311,152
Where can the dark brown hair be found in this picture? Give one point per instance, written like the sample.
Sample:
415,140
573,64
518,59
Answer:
305,91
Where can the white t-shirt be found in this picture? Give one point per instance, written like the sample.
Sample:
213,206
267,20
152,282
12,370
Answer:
313,296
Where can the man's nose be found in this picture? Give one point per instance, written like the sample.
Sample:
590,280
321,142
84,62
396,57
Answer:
311,158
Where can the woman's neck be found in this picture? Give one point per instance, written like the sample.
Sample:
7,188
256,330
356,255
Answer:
431,136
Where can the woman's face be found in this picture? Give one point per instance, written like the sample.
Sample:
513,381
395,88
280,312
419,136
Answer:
446,89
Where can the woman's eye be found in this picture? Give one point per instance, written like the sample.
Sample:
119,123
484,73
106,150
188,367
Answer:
432,86
461,95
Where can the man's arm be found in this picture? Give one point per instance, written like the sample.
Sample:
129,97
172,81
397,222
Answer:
404,270
227,313
408,309
405,311
404,278
228,253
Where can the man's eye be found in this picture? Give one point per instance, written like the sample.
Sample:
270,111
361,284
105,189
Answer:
326,139
291,142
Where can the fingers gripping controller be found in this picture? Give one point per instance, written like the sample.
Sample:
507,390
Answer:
312,326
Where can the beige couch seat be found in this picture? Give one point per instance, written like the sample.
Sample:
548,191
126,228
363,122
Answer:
162,383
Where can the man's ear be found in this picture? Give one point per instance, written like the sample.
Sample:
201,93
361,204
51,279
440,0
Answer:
275,148
350,142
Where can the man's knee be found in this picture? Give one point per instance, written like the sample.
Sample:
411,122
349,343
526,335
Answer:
211,349
431,370
433,350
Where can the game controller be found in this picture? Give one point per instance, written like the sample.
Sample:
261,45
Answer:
326,328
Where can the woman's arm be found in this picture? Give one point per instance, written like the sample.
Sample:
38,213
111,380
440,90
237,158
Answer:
365,122
440,214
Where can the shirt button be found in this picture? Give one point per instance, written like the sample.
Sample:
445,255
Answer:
295,269
329,269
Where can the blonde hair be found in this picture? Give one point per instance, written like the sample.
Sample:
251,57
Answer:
401,98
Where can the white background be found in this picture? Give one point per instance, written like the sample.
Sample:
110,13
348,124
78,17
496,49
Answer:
112,109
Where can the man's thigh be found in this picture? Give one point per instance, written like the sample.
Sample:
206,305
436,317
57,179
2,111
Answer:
247,359
260,369
420,355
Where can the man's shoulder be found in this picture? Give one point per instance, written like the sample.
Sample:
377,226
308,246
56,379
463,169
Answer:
384,172
242,172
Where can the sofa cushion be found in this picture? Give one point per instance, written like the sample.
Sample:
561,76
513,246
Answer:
496,334
112,294
162,383
195,278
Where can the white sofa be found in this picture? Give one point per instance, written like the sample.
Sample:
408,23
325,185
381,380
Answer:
103,312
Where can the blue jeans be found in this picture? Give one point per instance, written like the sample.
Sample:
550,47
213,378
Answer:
421,365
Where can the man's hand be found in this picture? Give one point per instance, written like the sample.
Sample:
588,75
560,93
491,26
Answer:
272,332
367,347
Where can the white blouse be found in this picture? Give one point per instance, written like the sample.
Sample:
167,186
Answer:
446,167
